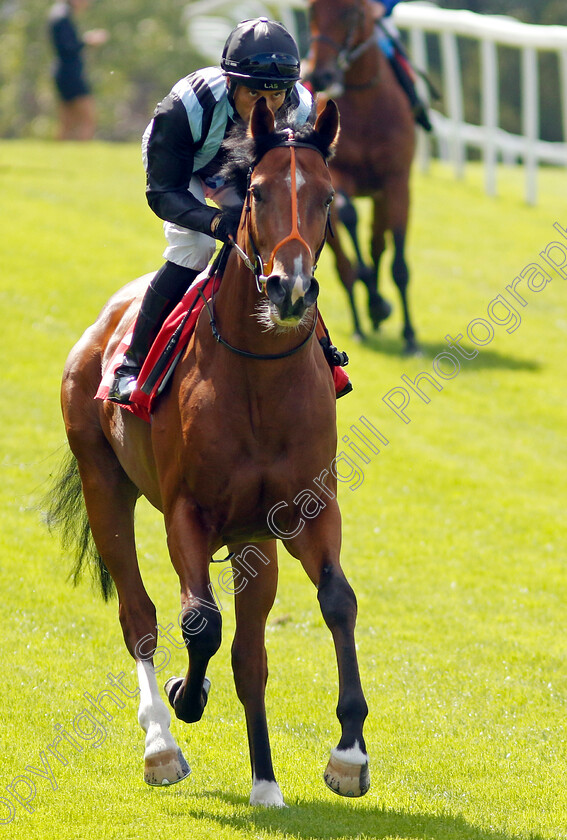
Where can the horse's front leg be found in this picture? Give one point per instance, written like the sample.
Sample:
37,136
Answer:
378,307
318,547
397,195
255,573
347,770
345,270
201,621
110,500
164,763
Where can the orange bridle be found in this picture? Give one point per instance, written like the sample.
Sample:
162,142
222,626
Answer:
263,270
294,234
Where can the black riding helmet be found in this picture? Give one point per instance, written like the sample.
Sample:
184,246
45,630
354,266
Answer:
261,54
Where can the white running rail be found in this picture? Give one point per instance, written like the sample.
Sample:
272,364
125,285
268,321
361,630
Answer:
452,134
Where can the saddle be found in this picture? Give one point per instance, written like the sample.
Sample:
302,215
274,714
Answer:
166,350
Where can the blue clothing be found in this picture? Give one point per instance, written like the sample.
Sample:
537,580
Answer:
68,71
389,4
384,42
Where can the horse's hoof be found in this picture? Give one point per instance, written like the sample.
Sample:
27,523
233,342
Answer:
267,794
412,348
165,768
379,309
171,688
346,778
206,688
173,685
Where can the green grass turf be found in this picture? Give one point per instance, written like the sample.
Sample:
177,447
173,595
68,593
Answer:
454,542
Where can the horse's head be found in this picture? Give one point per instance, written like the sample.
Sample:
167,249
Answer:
287,202
341,31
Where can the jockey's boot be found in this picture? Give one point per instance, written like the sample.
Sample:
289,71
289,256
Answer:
404,76
164,292
336,359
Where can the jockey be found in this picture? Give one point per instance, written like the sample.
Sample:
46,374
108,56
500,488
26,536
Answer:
182,155
390,45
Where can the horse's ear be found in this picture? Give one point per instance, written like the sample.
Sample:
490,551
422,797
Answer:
328,123
261,120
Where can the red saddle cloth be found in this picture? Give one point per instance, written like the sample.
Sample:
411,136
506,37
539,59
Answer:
165,352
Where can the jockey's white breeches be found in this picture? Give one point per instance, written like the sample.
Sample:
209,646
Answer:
190,248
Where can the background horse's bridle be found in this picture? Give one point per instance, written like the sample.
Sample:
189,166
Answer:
349,51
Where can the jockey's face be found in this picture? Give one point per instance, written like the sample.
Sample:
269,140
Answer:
245,98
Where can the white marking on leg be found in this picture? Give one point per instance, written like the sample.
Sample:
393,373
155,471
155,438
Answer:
267,794
153,714
353,755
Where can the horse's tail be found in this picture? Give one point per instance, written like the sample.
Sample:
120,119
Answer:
64,510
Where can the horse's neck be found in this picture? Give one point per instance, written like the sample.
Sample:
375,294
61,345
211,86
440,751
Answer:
374,95
368,69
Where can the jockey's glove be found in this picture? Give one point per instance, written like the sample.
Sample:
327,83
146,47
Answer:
226,223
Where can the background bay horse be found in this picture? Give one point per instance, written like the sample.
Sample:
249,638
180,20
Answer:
375,148
243,430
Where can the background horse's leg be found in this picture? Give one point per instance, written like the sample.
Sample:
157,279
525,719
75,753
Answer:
201,621
348,216
378,307
318,549
110,499
345,270
255,571
397,197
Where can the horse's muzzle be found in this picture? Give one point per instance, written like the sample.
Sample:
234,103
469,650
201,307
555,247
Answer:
290,305
327,80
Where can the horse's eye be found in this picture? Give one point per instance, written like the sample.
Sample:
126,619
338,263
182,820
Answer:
256,194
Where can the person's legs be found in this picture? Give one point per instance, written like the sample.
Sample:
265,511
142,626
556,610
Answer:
77,118
386,37
85,117
403,74
336,359
188,253
66,121
164,292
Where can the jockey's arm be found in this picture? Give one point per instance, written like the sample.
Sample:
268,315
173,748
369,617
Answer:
169,168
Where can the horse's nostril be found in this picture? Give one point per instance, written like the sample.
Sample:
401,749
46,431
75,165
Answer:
275,290
312,293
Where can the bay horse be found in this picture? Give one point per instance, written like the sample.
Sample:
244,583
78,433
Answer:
375,149
245,425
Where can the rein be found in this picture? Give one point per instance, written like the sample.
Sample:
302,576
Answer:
262,271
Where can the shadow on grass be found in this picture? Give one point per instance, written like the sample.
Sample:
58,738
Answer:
327,820
486,359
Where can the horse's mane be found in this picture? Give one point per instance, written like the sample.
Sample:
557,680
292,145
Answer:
243,151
